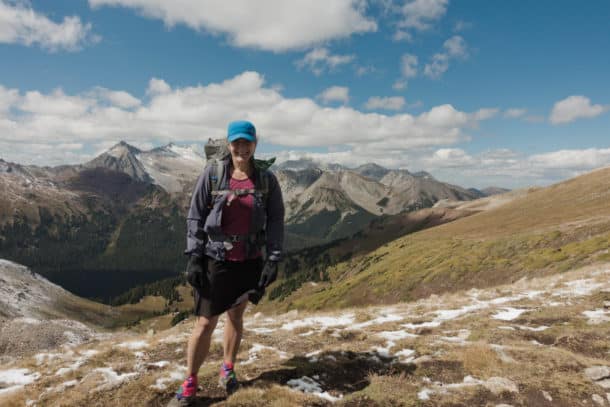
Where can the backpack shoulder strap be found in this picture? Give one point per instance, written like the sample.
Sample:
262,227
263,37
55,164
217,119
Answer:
264,184
216,173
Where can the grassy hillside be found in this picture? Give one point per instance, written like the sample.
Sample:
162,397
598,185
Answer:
548,230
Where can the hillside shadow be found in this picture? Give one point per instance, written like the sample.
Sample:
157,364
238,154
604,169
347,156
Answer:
336,372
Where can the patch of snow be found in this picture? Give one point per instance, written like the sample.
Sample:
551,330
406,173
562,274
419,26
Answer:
46,357
175,375
31,321
341,320
15,379
546,395
391,337
578,288
188,153
597,399
78,362
431,324
174,339
405,355
395,335
509,314
133,345
499,349
379,320
507,328
424,394
533,328
262,330
256,348
308,385
88,353
112,379
597,316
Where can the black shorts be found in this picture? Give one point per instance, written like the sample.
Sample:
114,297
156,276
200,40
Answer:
227,282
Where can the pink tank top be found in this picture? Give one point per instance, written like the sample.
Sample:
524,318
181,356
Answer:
237,217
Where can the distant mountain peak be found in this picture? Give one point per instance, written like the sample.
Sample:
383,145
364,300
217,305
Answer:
371,170
123,147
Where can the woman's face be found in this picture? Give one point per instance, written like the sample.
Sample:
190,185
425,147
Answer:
242,150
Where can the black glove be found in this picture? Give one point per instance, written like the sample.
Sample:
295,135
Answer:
255,295
269,274
196,272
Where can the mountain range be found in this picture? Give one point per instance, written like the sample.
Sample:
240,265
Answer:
118,220
503,300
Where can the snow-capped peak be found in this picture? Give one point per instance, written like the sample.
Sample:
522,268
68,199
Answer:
187,153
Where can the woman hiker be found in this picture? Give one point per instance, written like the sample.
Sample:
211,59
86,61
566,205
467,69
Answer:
236,214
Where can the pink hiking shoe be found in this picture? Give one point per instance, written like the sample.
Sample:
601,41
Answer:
185,396
228,379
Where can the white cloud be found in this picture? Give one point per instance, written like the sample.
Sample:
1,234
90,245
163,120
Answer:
420,14
455,47
194,113
364,70
515,113
335,94
20,24
409,65
120,99
400,84
273,25
55,104
586,159
449,158
573,108
438,66
462,25
8,97
319,60
408,69
157,87
387,103
401,35
485,114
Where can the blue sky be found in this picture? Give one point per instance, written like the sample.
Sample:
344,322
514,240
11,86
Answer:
476,92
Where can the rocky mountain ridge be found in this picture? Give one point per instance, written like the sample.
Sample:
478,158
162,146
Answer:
124,211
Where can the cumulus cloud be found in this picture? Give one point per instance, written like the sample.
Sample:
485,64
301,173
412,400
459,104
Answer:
195,113
485,114
420,14
273,25
514,113
120,98
573,108
454,48
585,159
335,94
387,103
408,69
8,97
462,25
319,60
408,64
401,35
20,24
449,157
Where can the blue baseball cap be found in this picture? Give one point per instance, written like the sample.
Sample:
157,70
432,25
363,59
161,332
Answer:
241,129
